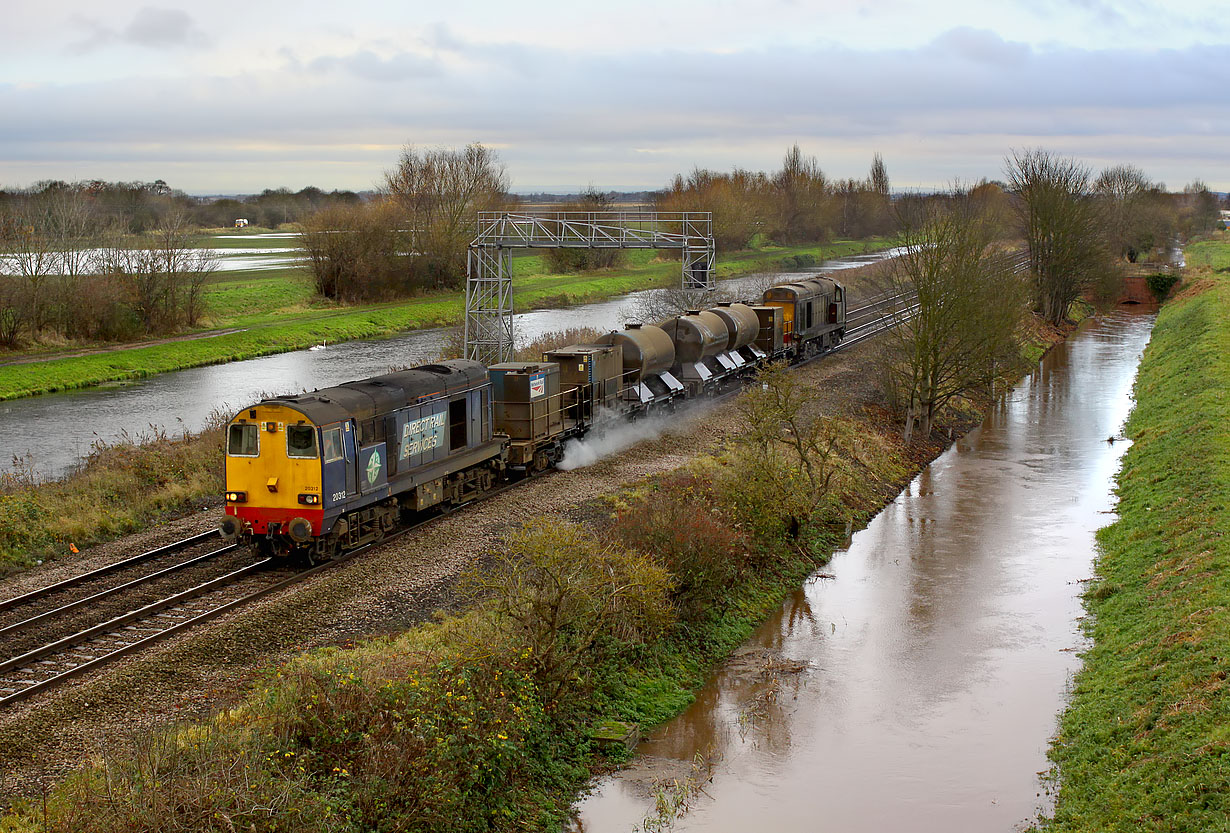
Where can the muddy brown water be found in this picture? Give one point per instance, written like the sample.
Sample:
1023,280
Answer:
935,652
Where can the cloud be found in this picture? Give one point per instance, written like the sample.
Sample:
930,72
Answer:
982,46
162,28
369,66
150,27
952,106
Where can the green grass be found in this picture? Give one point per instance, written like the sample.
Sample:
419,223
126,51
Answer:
1212,254
1145,742
278,312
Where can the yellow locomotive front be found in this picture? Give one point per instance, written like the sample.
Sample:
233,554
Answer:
273,477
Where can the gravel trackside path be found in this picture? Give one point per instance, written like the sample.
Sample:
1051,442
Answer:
386,589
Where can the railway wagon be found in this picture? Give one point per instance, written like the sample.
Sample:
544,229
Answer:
333,469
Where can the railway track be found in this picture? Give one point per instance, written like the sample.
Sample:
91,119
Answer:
74,654
70,655
93,575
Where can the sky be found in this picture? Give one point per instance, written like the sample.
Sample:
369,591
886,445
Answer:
235,97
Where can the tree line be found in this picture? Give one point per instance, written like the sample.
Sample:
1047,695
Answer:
414,234
109,261
978,260
100,261
138,207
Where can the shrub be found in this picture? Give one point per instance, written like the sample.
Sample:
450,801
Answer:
572,603
677,523
1161,283
800,261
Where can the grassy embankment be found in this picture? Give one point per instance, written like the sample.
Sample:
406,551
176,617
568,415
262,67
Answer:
274,311
119,489
1145,742
484,721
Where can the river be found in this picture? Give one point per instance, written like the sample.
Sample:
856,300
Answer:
54,431
914,682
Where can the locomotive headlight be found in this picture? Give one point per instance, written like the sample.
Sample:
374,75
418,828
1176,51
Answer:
311,500
236,497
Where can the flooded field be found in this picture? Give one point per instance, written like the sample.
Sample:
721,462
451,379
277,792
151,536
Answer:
914,682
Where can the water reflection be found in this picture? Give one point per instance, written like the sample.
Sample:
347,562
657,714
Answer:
54,431
938,654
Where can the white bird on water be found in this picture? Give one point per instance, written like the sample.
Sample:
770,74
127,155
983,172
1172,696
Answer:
320,346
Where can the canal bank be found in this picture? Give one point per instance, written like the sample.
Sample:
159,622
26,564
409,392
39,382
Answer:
1145,741
913,682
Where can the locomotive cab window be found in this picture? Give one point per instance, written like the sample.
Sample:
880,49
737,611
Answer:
332,444
301,441
457,425
243,439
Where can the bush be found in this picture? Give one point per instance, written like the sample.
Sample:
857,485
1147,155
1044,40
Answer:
1161,283
802,261
703,549
567,261
572,604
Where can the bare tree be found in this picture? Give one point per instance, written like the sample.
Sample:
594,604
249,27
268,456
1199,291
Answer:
1198,211
12,310
1062,226
186,267
970,301
1132,214
163,275
801,191
75,231
438,192
660,304
355,252
740,201
879,176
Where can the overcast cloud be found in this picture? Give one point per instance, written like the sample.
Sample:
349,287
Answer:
237,99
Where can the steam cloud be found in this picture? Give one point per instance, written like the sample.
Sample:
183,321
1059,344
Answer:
603,442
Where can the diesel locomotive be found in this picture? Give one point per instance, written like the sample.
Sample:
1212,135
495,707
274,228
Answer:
315,474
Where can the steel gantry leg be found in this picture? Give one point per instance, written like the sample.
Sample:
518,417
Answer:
489,322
